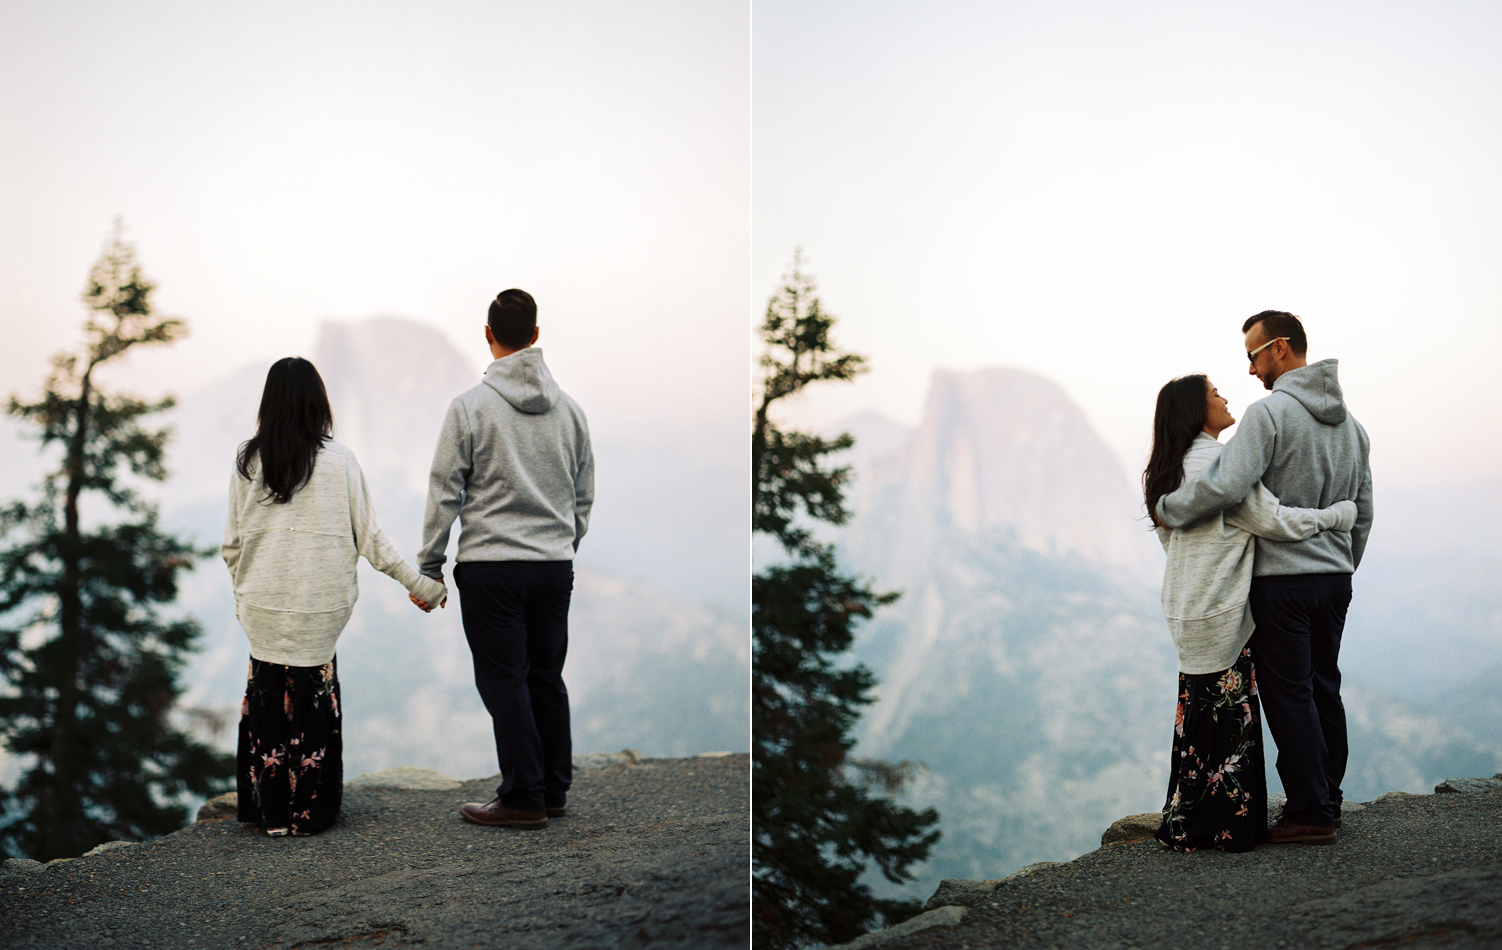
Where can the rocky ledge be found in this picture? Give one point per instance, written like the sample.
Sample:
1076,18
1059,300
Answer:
1411,871
652,852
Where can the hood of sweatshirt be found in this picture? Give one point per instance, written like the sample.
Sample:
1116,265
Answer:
1317,388
523,379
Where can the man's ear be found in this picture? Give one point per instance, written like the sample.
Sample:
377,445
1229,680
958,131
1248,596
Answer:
489,337
535,332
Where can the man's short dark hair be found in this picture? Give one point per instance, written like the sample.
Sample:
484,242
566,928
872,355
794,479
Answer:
513,317
1276,323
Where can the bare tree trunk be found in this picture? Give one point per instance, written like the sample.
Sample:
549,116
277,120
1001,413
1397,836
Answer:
63,836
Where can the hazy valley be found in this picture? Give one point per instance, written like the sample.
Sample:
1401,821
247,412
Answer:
1027,664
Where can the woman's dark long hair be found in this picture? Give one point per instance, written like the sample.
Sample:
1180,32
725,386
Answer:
293,422
1180,416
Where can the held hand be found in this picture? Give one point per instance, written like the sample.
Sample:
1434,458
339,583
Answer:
423,605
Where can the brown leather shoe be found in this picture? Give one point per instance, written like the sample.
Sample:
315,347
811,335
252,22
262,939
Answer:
499,815
1284,831
1278,813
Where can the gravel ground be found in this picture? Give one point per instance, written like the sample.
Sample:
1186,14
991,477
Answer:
1413,871
656,854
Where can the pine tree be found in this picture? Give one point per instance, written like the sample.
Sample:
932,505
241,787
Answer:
88,666
820,816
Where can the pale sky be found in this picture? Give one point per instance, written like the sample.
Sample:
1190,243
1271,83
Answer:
277,164
1102,192
1097,192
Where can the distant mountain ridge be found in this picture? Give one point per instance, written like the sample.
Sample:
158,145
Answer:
1003,451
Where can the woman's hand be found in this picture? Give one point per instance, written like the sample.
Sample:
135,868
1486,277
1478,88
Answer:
423,605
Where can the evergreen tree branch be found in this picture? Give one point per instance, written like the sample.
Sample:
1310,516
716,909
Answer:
820,818
90,697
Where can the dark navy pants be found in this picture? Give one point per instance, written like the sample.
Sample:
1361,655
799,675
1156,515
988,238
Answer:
1300,619
516,621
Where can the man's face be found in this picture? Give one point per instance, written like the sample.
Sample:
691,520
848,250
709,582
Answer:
1265,363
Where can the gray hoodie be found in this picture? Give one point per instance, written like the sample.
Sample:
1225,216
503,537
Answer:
514,464
1308,450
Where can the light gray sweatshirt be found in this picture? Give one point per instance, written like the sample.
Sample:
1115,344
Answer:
1209,571
1310,452
514,464
294,565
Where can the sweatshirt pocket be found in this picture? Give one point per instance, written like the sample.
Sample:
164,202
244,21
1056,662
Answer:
1206,579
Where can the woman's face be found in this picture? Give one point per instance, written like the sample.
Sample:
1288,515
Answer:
1218,416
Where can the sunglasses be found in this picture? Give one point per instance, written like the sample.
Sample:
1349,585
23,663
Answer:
1252,356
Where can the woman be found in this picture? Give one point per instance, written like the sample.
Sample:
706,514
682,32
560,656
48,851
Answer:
299,518
1217,789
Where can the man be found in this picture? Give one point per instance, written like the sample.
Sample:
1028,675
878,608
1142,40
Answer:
1309,451
514,464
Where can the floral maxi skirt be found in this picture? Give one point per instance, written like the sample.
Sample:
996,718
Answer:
290,770
1217,786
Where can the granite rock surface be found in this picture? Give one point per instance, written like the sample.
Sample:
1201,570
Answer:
653,853
1412,871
